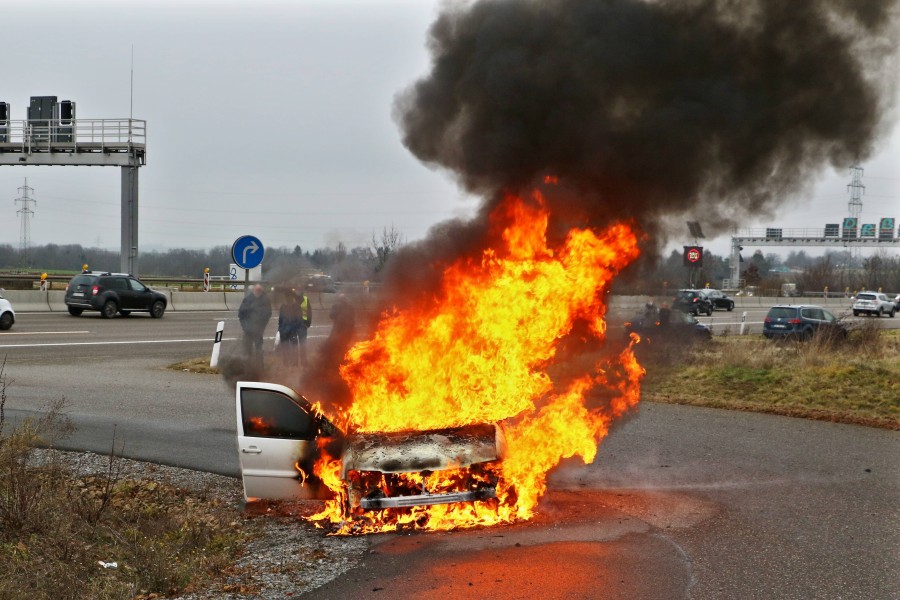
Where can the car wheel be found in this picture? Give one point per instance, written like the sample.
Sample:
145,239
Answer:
75,311
6,321
109,310
806,334
855,313
730,306
892,313
709,311
157,309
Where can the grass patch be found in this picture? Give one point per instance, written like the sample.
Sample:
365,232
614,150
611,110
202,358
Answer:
853,380
195,365
57,527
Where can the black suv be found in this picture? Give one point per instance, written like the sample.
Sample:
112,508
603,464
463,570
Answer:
692,301
112,293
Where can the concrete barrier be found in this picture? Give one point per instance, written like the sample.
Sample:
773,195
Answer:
198,301
233,300
57,301
54,301
27,300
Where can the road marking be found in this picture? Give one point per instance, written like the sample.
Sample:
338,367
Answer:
42,332
52,344
106,343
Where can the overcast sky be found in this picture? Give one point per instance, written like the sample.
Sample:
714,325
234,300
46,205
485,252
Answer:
270,119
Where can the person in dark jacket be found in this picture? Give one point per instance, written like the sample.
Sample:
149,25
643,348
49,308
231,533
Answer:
254,315
294,321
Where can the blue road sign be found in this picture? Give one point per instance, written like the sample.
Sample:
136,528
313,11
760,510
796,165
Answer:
247,252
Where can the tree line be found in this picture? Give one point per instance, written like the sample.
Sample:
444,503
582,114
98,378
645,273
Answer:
342,263
838,270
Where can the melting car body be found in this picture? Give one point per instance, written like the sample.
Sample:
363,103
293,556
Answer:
281,436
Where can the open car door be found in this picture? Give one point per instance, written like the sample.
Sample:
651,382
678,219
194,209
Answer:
277,431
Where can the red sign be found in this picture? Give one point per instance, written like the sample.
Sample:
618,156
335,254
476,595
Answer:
693,256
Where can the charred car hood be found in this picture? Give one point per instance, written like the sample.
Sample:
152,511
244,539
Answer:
435,450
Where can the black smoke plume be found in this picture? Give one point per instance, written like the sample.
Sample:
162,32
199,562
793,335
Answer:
715,109
642,110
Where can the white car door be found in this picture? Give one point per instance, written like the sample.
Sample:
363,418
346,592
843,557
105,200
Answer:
277,432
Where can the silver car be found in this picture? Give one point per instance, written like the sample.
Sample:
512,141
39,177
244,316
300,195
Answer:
873,303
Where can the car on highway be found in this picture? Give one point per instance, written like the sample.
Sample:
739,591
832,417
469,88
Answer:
718,299
7,314
801,321
280,437
112,293
321,283
665,324
897,302
873,303
692,301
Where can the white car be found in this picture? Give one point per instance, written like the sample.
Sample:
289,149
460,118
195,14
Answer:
280,436
7,314
873,303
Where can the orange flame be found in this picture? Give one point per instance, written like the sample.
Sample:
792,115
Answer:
480,352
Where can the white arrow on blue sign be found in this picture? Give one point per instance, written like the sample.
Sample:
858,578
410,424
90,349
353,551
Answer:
247,252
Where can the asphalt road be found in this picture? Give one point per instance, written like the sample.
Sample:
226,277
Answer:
681,502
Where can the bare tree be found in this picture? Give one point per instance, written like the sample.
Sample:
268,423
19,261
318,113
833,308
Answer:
391,239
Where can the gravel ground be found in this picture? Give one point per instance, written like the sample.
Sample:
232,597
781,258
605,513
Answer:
288,555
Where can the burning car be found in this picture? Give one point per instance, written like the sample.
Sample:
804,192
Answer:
281,438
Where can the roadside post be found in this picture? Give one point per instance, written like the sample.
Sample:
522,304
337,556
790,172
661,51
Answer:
743,319
217,342
206,279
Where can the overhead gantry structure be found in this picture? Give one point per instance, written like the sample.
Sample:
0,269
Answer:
52,136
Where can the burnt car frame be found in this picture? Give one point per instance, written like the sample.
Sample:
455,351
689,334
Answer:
280,438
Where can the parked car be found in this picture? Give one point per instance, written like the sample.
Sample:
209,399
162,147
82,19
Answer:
280,436
7,314
321,283
897,302
800,322
692,301
873,303
718,299
112,293
667,324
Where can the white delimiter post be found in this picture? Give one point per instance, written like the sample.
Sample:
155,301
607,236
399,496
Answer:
217,343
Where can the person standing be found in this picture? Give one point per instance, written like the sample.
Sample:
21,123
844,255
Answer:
254,314
294,321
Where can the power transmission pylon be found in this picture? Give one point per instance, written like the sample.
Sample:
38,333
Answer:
25,223
856,189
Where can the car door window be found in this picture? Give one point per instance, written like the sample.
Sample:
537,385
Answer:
272,415
119,284
828,316
136,285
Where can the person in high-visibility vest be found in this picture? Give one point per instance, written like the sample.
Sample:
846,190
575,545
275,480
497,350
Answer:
294,321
